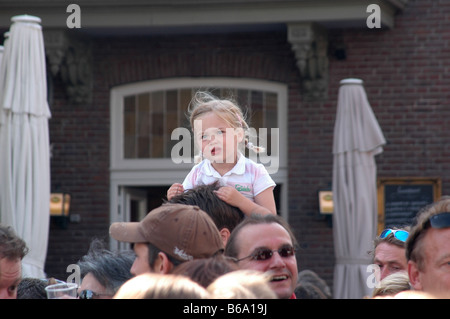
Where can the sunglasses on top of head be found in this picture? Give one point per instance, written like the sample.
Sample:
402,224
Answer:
441,220
399,234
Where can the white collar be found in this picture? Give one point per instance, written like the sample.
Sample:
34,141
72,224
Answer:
238,169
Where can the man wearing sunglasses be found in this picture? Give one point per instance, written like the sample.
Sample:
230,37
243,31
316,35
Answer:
103,271
389,251
428,250
266,243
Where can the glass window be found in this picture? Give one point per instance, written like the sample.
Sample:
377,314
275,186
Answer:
150,117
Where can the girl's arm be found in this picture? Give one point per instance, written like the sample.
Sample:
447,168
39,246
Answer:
267,200
264,202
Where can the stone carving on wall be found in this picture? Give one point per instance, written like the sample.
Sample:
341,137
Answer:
71,57
310,45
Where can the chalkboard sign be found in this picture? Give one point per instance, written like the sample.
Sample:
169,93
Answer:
399,199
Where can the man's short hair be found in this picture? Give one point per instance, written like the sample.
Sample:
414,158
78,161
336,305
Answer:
232,249
390,239
420,227
11,246
110,269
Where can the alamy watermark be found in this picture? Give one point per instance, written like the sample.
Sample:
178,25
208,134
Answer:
374,277
74,19
374,19
181,152
75,275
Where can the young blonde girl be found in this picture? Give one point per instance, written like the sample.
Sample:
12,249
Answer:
220,131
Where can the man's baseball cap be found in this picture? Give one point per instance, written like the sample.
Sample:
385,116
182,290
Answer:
183,231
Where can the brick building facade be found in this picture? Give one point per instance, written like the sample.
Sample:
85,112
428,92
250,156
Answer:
404,68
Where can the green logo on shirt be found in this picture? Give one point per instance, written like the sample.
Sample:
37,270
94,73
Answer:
241,188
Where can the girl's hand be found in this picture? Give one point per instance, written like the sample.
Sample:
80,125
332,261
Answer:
174,190
264,202
229,195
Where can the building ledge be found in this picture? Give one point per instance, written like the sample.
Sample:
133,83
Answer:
155,14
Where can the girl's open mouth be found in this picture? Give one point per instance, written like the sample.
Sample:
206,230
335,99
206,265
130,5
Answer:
215,151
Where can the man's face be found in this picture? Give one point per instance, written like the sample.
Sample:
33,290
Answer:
91,283
140,265
434,278
283,270
10,276
390,258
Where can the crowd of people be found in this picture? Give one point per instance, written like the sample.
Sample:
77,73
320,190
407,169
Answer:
213,240
415,260
178,252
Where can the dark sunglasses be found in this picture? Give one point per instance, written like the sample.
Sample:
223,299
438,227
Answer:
441,220
401,235
266,254
89,294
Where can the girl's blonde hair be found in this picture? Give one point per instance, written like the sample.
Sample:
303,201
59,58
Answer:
393,284
228,110
242,284
161,286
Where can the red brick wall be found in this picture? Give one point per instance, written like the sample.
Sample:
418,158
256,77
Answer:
405,74
79,166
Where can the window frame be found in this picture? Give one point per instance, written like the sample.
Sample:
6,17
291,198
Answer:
163,171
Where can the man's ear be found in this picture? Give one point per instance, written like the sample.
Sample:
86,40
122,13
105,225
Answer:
414,275
163,265
224,234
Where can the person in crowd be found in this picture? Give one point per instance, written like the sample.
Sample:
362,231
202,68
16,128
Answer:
225,216
32,288
12,251
309,291
168,236
161,286
103,271
392,284
205,270
407,294
311,286
220,131
428,250
389,251
266,243
242,284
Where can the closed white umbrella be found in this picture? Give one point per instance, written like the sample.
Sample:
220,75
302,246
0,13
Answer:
24,140
357,139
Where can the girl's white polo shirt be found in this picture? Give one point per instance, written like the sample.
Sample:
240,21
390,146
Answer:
248,177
